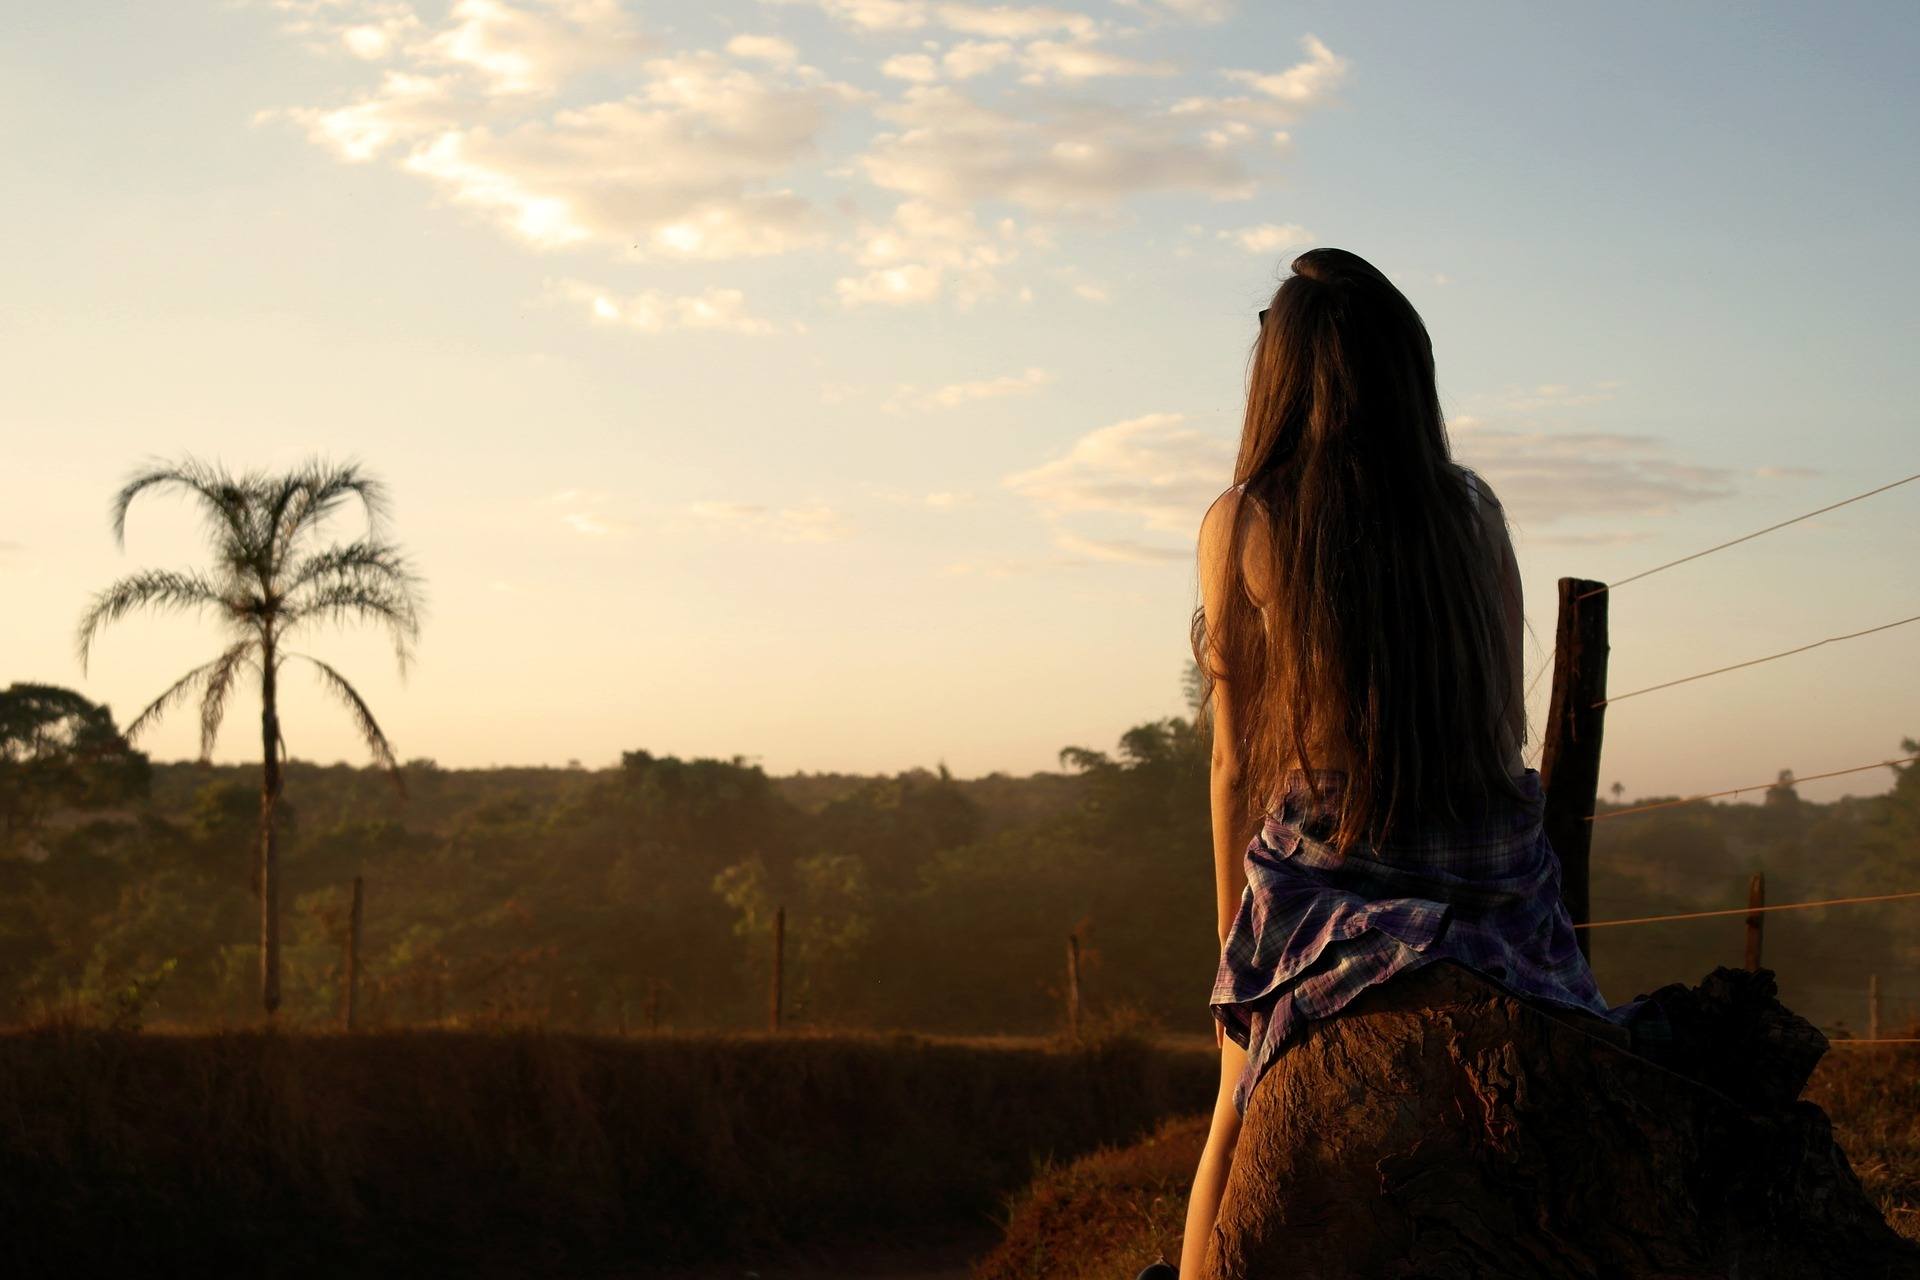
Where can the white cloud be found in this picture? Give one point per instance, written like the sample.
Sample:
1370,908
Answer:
953,395
1304,83
918,67
1277,97
685,167
502,108
773,49
650,311
368,40
1200,10
1002,21
1268,236
1155,469
924,251
1092,293
407,105
1010,21
890,286
689,163
814,522
531,48
1080,60
1061,157
972,58
873,15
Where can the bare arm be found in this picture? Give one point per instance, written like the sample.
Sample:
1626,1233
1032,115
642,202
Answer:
1494,517
1227,798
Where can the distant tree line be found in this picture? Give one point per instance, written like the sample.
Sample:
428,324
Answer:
586,898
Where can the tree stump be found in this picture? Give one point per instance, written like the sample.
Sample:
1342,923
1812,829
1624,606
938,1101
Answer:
1441,1127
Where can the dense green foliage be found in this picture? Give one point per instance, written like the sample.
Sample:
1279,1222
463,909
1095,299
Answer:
596,898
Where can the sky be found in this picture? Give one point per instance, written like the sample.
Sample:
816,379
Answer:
840,383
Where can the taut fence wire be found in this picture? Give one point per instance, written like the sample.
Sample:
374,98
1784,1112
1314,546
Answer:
1748,537
1754,662
1758,786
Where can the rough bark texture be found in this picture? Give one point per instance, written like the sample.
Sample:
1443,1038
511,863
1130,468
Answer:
1442,1128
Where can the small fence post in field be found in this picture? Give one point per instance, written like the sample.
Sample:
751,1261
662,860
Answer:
1570,760
351,1015
1073,986
779,949
653,1004
1873,1007
1756,899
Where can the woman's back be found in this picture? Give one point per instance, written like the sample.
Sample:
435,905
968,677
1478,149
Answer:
1326,749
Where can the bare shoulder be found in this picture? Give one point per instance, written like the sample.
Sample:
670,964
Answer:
1235,507
1479,482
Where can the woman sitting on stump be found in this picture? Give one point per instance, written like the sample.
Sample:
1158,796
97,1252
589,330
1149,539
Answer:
1360,635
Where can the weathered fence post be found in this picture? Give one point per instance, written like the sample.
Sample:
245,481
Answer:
1073,986
1570,761
1756,899
351,1015
779,949
653,1004
1873,1007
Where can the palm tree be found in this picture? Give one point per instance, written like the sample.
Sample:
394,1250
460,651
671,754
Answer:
269,581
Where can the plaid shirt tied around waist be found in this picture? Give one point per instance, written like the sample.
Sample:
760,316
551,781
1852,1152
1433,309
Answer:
1315,930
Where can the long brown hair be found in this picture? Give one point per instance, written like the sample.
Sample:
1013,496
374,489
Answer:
1384,643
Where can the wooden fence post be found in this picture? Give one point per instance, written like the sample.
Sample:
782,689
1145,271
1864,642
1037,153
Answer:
653,1004
1073,986
1873,1007
779,949
1756,899
1570,761
352,1013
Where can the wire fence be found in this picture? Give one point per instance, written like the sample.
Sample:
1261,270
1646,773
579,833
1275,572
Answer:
1747,537
1756,909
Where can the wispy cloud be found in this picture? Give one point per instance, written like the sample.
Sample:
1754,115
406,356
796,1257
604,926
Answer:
1266,237
583,511
780,52
956,394
651,311
1551,465
812,522
1155,471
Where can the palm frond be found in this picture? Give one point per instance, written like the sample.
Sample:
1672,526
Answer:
222,496
375,737
351,600
318,489
361,560
179,690
213,705
148,589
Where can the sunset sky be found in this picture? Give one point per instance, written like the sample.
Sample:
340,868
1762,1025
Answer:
840,383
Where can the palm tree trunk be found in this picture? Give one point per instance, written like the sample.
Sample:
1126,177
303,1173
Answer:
269,847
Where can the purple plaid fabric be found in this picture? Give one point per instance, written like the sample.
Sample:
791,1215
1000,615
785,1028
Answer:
1314,931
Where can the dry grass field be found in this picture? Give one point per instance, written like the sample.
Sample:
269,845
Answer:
538,1153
